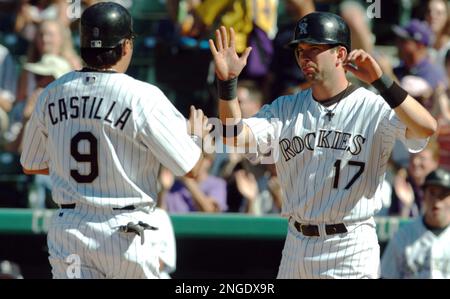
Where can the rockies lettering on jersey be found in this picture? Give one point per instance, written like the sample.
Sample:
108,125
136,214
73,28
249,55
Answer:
79,108
329,169
327,139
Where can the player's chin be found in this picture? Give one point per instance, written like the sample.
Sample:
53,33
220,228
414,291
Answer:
311,77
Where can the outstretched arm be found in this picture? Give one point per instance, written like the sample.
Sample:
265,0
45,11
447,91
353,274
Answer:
418,121
228,67
198,128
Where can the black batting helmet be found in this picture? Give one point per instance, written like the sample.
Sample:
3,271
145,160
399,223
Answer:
105,25
322,28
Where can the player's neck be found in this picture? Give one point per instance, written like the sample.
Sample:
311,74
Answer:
119,67
323,91
102,70
435,224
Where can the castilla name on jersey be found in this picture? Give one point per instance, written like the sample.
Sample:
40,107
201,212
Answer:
328,139
87,107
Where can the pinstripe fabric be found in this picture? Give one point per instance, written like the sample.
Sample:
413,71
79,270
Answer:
307,170
330,170
155,132
104,252
134,129
415,252
351,255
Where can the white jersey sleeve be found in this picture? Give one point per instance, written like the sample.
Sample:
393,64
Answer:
160,132
265,127
394,125
34,154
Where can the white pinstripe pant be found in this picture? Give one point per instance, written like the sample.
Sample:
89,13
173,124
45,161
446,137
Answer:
355,254
85,243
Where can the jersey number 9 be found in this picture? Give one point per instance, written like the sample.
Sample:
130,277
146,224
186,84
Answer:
91,158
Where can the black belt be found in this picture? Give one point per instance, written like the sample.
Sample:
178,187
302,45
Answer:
127,208
311,230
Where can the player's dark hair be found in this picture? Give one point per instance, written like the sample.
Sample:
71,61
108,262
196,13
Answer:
447,57
101,58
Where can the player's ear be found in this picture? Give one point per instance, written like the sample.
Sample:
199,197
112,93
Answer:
341,55
127,46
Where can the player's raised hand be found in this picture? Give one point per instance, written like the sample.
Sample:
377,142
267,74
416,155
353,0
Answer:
363,66
198,123
228,64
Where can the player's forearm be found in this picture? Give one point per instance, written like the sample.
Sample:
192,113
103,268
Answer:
418,120
231,119
229,111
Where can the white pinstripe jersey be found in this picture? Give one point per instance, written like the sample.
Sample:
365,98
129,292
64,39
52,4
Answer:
103,137
329,170
416,252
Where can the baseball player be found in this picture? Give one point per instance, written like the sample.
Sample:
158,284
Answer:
421,249
102,136
330,143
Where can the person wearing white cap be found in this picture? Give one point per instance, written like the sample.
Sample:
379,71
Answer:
49,65
46,70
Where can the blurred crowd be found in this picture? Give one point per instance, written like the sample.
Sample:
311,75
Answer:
410,40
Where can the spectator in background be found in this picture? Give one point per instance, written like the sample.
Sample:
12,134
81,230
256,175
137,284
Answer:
413,41
355,16
421,90
252,189
49,68
52,38
408,194
285,76
30,15
421,249
8,86
205,193
447,64
255,24
441,111
45,71
182,13
8,9
250,99
437,15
